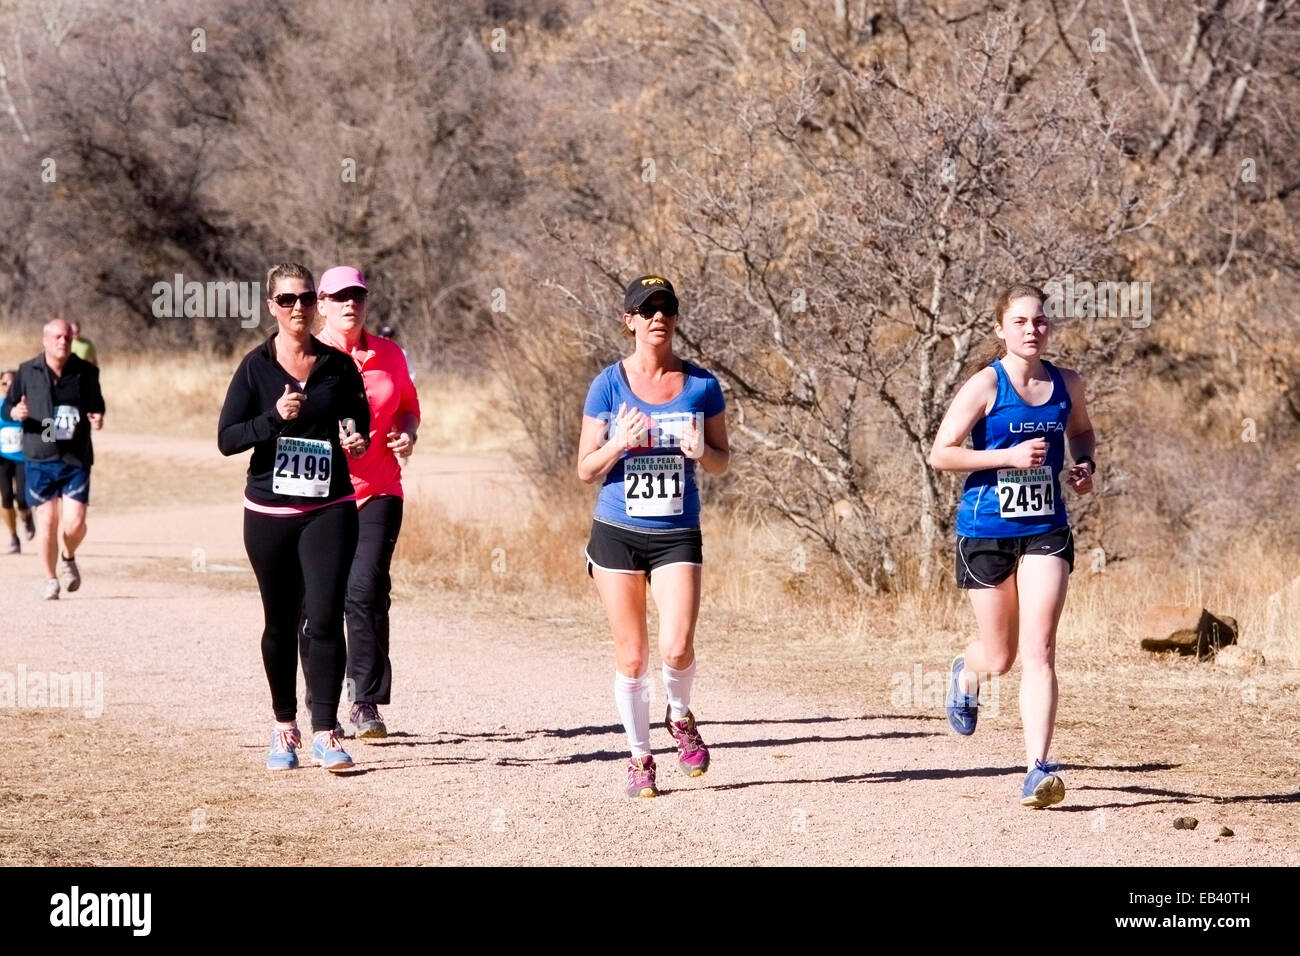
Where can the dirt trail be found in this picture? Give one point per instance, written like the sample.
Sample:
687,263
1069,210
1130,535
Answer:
506,748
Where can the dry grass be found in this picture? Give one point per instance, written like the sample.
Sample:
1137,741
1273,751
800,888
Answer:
181,393
759,587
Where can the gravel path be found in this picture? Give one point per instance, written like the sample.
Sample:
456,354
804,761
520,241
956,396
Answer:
501,755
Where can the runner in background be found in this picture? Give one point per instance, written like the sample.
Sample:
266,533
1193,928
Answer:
56,398
647,422
377,481
13,476
1015,549
83,348
390,333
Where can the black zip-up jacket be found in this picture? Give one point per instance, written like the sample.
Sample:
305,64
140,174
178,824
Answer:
334,391
77,387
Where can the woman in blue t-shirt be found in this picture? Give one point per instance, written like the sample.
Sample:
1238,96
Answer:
13,480
1015,550
648,420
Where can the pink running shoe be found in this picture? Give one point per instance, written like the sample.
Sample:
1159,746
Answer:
641,777
691,752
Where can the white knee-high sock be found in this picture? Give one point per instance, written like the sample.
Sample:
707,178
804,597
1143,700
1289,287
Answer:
677,688
632,698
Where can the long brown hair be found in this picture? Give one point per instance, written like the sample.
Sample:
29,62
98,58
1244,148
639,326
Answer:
980,357
1017,291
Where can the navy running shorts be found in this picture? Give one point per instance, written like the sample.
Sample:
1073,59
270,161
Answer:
47,480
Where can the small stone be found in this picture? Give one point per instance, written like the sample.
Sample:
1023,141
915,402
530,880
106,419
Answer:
1224,831
1236,657
1185,823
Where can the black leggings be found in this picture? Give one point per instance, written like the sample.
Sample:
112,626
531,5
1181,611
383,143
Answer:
368,600
370,672
13,484
302,563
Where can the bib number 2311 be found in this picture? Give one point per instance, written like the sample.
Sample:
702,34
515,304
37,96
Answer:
653,485
1025,492
302,467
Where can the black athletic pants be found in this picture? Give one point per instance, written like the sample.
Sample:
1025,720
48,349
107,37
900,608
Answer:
370,673
368,600
301,563
13,484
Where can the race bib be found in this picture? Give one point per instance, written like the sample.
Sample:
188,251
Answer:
653,485
65,421
11,441
302,467
1026,492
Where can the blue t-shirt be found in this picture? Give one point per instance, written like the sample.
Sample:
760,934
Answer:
11,434
1009,502
652,488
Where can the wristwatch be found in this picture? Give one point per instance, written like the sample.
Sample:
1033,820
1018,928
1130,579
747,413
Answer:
1092,465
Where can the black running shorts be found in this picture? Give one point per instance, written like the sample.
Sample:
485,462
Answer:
616,548
987,562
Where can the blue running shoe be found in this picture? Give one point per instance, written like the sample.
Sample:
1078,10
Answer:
329,753
1042,786
284,749
963,710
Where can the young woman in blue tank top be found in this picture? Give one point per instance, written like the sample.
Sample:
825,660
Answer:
649,419
1015,550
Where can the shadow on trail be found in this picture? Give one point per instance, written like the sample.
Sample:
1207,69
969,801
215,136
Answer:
1135,768
563,733
947,773
773,742
393,740
877,776
398,764
1174,796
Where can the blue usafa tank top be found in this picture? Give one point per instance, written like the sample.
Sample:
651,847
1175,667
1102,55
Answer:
1017,502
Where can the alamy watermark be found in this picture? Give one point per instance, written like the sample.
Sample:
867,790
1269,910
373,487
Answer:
1098,300
208,300
30,689
928,690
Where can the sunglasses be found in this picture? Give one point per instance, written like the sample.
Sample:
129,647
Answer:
354,294
285,300
647,310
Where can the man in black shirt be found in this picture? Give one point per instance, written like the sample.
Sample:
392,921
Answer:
56,396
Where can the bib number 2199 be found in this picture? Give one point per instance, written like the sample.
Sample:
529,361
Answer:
302,468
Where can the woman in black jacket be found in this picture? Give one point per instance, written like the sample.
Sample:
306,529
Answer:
301,407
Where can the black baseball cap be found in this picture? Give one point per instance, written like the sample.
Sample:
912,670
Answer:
639,290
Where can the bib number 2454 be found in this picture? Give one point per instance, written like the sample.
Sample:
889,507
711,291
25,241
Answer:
1026,492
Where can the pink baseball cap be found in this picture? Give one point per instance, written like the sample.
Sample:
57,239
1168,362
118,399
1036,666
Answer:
341,277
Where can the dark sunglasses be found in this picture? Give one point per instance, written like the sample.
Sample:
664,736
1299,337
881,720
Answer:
353,294
647,310
285,300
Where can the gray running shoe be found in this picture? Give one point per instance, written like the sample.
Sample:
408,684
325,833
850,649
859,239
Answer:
365,718
14,546
50,590
69,574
